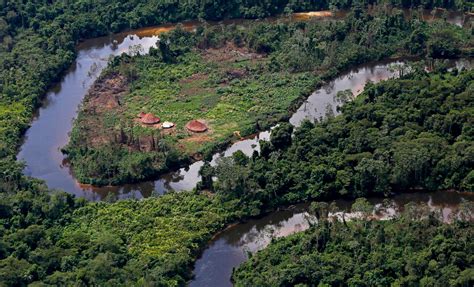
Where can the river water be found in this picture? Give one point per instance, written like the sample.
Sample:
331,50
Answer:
50,131
230,248
51,126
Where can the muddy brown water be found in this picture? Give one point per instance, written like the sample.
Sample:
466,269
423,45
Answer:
230,248
50,128
52,124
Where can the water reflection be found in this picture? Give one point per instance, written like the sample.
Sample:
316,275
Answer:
50,129
230,248
316,106
52,124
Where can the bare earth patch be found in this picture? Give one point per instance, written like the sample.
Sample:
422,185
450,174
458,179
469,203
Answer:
103,97
106,99
106,93
197,138
230,53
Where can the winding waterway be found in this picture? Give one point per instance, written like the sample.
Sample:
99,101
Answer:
50,131
231,247
51,126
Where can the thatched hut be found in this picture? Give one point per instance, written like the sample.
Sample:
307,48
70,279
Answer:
196,126
149,119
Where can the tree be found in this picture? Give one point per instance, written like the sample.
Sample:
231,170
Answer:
416,44
3,28
240,158
364,207
280,137
372,176
206,172
443,44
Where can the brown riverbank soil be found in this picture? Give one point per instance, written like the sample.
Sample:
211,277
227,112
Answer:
103,97
105,116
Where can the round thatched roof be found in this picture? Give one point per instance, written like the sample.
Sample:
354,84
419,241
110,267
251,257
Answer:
196,126
150,119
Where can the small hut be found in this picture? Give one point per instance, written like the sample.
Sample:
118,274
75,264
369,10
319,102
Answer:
167,125
196,126
149,119
141,115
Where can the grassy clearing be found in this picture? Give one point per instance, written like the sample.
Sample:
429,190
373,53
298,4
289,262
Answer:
235,96
228,96
236,79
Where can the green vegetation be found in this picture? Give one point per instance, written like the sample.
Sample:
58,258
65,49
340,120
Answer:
238,79
52,238
37,39
409,133
152,240
230,93
400,252
57,240
37,42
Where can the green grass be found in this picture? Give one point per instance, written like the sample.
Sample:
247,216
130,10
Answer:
194,87
232,88
171,92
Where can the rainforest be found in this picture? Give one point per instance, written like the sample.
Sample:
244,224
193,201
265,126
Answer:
210,106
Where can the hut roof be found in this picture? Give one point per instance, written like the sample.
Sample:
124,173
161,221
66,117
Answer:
150,119
196,126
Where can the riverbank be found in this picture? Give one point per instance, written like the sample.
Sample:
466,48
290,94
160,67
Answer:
157,240
231,247
51,237
338,253
248,91
222,87
37,49
222,257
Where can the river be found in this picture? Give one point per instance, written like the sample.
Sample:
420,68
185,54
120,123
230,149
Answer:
231,247
53,122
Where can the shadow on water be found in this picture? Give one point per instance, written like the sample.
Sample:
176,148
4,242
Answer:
231,247
53,122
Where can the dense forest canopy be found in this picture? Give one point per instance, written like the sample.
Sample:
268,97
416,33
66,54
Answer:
49,237
399,252
186,78
56,239
408,133
37,39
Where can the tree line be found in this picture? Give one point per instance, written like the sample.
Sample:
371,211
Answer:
402,134
314,51
37,38
398,252
52,238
